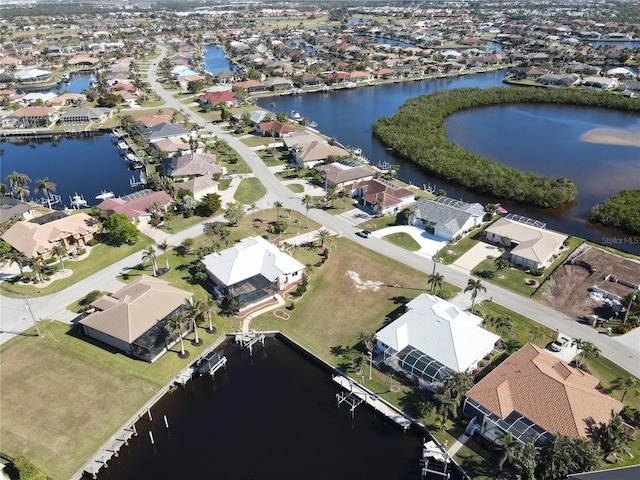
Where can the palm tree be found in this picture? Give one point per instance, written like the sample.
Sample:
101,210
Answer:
508,446
17,180
501,263
23,192
193,311
253,207
613,437
367,339
322,235
474,286
307,201
625,384
436,281
503,322
164,246
537,333
36,265
380,205
208,308
458,384
59,251
19,258
47,187
277,205
447,405
150,255
175,324
344,194
586,351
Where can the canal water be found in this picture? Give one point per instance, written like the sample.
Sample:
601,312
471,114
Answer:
215,60
272,415
82,165
520,137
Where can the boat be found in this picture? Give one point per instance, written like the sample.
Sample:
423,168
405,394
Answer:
104,195
131,157
295,116
435,460
137,165
122,146
65,78
78,201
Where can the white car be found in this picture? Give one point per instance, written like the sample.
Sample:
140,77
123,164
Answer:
559,343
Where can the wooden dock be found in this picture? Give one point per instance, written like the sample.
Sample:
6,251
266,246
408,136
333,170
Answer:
357,391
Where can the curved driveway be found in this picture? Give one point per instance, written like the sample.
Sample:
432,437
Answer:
53,306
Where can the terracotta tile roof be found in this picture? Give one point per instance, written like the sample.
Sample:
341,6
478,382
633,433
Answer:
556,396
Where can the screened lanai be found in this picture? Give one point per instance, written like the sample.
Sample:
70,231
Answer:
422,366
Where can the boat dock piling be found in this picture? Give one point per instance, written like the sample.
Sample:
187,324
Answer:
108,453
379,405
249,339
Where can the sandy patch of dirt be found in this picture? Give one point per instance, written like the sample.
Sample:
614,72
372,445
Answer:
567,289
363,285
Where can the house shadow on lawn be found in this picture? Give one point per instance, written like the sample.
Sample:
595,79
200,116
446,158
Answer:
75,331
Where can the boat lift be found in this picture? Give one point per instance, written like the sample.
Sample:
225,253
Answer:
434,460
249,339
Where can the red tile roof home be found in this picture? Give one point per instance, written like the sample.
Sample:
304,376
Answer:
151,120
559,398
278,128
218,97
137,206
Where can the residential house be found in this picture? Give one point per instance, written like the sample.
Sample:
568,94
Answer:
250,86
433,339
340,176
171,147
32,75
84,115
307,80
446,217
275,128
136,205
563,80
37,239
29,117
134,319
620,473
518,394
192,165
278,83
152,120
605,83
13,208
215,98
163,131
309,149
530,246
382,197
252,272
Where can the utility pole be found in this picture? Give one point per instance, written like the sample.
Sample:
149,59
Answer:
28,307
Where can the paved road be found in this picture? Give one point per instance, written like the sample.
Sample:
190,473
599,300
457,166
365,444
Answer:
15,317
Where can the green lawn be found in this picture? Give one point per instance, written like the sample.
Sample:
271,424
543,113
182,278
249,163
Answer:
64,384
101,256
249,191
452,252
403,240
378,223
296,187
518,280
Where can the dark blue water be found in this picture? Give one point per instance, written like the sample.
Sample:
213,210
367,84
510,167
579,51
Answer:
348,115
388,41
272,416
215,61
86,165
77,83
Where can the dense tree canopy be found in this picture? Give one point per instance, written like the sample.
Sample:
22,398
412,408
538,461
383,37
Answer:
622,211
416,132
120,230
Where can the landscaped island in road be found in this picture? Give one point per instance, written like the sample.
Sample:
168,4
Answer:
416,132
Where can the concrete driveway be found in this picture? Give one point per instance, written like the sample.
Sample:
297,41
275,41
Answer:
478,253
429,244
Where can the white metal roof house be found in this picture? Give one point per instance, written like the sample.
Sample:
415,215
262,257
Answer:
252,271
434,339
446,217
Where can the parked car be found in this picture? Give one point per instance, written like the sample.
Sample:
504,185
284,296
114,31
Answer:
559,343
364,233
